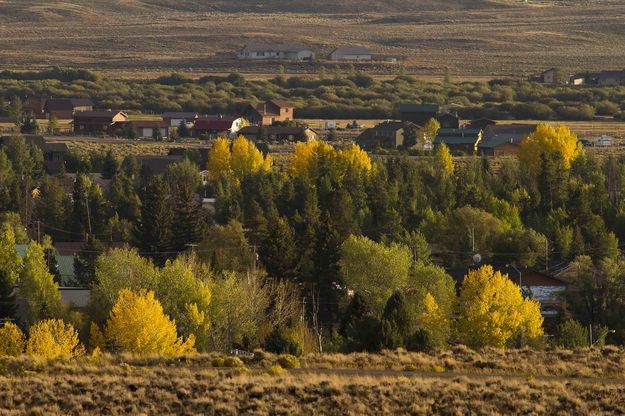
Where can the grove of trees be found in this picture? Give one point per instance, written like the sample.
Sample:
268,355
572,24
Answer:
333,251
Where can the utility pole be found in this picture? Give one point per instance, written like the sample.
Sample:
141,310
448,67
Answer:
546,254
192,247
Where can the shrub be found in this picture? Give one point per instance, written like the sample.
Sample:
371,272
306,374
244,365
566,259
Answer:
280,342
234,362
288,361
276,370
571,334
12,340
422,341
218,362
53,338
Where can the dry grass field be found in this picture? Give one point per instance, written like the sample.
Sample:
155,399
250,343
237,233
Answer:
190,385
140,38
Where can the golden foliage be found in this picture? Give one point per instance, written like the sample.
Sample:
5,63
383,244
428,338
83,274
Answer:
443,162
243,159
549,139
219,159
137,324
492,310
12,340
308,157
53,338
434,320
96,337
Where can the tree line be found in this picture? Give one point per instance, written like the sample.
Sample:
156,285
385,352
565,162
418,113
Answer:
359,245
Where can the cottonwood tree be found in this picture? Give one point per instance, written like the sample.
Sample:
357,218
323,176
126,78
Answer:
374,270
137,324
491,311
37,287
550,140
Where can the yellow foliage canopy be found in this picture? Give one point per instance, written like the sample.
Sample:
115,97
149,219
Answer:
243,159
12,340
547,139
492,310
53,338
308,156
137,324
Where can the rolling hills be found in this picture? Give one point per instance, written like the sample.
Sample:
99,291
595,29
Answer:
471,37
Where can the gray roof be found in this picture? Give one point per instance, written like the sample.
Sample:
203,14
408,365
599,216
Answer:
276,47
497,135
352,50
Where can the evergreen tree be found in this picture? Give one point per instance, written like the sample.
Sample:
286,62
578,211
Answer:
110,165
130,131
84,262
277,253
397,311
184,181
153,232
123,198
29,126
53,125
51,208
183,129
7,297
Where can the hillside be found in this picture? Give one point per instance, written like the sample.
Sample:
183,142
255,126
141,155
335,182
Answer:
471,37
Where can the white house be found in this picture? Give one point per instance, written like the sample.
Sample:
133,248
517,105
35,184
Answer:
146,128
284,52
351,54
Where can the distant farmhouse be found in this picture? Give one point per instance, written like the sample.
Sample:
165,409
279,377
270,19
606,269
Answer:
504,140
59,108
269,112
386,135
599,79
347,53
97,122
282,52
280,133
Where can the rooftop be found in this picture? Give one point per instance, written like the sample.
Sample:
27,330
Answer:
276,47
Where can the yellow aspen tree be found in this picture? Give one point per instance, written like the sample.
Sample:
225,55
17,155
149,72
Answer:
434,320
549,139
53,338
138,324
246,158
96,337
356,158
12,340
443,162
306,156
491,310
219,159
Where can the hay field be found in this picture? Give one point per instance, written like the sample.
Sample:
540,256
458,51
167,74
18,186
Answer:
191,385
471,37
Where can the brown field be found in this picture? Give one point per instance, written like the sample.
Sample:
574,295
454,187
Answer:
190,385
139,39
